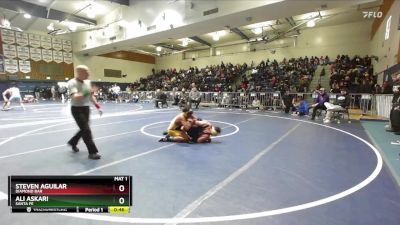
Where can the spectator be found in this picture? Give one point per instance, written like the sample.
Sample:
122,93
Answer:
161,97
288,102
319,103
194,97
377,89
387,88
53,92
37,92
256,104
302,108
395,112
342,104
63,91
135,97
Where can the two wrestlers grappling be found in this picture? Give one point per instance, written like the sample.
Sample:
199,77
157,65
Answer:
187,128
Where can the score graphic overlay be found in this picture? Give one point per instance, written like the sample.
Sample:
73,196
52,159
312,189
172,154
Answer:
75,194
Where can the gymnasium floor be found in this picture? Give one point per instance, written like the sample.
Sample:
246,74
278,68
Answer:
267,168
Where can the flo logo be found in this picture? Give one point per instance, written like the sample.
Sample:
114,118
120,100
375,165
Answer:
372,14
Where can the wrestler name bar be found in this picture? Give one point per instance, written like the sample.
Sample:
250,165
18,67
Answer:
69,193
111,209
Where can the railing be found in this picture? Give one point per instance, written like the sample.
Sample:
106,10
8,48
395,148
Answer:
368,104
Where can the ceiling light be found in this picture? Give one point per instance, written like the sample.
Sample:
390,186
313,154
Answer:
50,27
27,16
91,13
215,36
311,23
158,49
123,23
262,24
257,30
72,26
221,33
185,42
5,23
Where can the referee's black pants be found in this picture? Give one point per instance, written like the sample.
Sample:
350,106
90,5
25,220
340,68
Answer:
81,116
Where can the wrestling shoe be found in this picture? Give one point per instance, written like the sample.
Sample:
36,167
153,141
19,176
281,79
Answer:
94,156
395,142
164,139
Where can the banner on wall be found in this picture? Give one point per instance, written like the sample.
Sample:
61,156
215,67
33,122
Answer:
8,36
67,45
67,57
21,38
57,56
24,66
9,51
57,44
45,42
23,52
11,65
34,40
47,55
36,54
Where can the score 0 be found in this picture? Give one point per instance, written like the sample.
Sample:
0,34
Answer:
121,188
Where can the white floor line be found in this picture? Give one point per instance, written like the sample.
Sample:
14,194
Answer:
69,121
63,145
126,159
31,131
40,105
33,123
261,214
32,151
245,121
97,125
195,204
33,118
94,117
3,196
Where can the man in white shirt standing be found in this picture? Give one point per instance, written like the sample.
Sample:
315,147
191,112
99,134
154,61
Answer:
194,97
81,96
11,94
116,90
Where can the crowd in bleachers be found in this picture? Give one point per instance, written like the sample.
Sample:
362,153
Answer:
294,74
354,74
214,78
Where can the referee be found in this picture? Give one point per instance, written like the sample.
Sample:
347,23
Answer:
81,95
